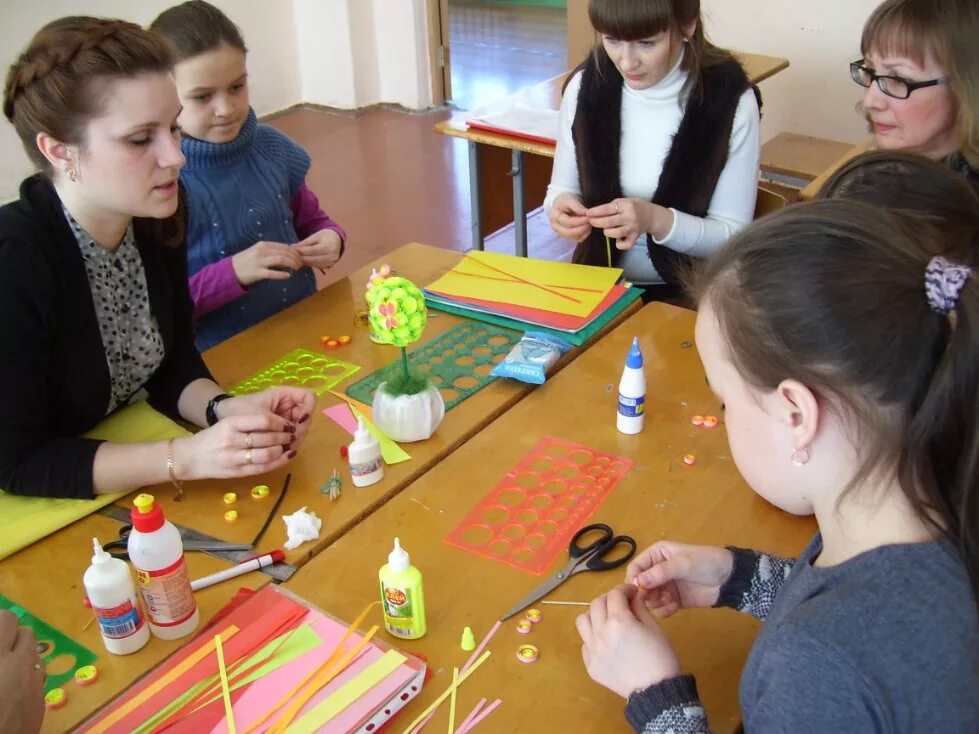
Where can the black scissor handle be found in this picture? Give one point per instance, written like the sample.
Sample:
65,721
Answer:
575,550
600,560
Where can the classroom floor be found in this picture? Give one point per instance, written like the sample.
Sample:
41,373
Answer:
498,48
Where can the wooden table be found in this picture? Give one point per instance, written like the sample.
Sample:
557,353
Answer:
331,312
46,579
494,156
660,498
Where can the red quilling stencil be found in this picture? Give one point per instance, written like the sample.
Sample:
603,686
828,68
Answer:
528,518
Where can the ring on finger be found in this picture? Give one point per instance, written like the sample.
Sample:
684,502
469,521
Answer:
248,441
248,456
616,205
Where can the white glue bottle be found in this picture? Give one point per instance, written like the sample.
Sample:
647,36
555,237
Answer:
366,464
157,553
632,393
112,595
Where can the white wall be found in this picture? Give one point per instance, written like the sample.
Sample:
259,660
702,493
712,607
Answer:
815,95
338,53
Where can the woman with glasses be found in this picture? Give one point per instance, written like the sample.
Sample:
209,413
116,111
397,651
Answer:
920,67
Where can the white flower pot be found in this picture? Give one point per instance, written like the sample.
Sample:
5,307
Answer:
408,418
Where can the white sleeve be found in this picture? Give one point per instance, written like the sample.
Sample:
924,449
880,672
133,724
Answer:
733,204
564,174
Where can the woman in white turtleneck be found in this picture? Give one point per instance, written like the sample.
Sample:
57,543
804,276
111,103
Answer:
660,69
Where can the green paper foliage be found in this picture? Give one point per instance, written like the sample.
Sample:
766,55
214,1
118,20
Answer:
397,311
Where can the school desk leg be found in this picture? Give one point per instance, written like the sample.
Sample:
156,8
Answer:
475,197
519,210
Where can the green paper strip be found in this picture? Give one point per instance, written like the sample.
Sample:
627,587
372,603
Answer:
347,694
390,450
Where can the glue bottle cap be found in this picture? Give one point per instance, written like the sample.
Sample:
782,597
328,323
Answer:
147,515
100,556
362,435
634,358
398,559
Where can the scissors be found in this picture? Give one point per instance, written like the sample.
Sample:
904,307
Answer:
591,557
118,548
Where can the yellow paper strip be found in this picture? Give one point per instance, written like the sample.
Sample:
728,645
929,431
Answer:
447,692
362,407
331,707
452,700
327,673
391,451
151,690
337,651
229,714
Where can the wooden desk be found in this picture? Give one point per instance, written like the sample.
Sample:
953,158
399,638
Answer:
659,498
811,191
331,312
46,579
492,156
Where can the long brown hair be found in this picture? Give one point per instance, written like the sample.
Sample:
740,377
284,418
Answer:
195,27
632,20
832,293
55,86
913,184
946,29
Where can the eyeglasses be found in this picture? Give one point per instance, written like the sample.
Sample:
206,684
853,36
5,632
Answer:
893,86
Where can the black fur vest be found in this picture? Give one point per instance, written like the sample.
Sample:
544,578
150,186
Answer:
691,169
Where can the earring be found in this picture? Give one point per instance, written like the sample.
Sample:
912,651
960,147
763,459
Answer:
800,457
72,175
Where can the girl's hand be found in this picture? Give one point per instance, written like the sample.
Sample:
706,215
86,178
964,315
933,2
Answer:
293,404
567,218
265,261
320,250
236,446
622,646
626,220
672,576
21,677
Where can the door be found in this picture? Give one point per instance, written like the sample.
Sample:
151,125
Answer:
438,35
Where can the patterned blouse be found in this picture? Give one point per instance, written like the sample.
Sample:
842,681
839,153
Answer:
130,335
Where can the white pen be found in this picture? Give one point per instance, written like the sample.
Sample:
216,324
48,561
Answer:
252,564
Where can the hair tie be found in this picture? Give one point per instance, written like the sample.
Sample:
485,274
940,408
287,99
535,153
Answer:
943,283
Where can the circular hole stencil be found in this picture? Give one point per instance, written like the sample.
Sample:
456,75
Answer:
603,461
500,547
448,394
512,497
483,370
578,490
476,535
514,532
527,480
495,516
523,556
558,514
595,471
482,351
44,647
466,382
581,457
542,465
541,501
556,450
498,340
435,360
465,361
535,540
527,516
548,527
569,502
555,487
60,664
567,472
315,382
497,358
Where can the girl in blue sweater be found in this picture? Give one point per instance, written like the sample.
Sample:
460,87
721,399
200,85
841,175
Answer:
842,339
255,230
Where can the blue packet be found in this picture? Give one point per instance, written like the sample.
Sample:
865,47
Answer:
531,358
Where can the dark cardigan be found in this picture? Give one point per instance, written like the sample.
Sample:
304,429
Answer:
692,167
55,372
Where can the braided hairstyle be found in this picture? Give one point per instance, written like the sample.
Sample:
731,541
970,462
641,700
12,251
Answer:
56,86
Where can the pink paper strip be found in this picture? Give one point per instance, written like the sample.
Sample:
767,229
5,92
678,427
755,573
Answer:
472,715
341,415
489,709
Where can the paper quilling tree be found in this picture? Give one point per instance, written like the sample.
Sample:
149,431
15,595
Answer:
408,407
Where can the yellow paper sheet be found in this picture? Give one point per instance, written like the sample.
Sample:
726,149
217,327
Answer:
25,520
553,286
390,450
347,694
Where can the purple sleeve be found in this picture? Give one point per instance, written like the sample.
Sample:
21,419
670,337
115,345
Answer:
309,218
213,286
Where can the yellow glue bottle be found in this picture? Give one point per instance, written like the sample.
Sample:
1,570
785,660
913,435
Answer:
402,596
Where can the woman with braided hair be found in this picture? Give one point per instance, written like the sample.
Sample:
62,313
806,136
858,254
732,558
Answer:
93,272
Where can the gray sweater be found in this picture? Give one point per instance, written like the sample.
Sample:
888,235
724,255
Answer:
885,642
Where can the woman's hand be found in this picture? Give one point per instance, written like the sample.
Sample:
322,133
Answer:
21,677
623,647
672,576
626,220
294,404
236,446
567,218
321,249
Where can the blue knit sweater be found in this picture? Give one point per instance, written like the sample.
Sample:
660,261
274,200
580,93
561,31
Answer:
238,194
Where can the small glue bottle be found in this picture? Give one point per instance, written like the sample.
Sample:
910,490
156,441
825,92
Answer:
112,595
366,464
402,596
632,393
157,553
